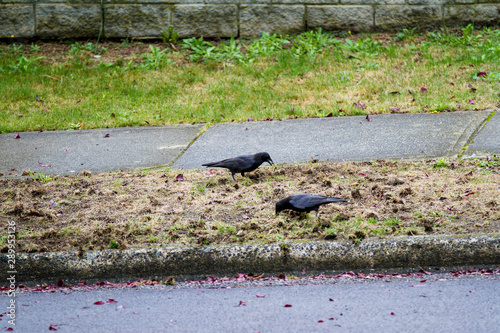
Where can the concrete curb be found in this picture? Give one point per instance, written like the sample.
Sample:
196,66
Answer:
191,262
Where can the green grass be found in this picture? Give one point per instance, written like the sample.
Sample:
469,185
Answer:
309,75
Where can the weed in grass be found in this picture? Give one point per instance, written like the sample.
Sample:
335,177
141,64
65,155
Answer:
38,176
35,48
231,52
199,49
394,222
311,43
125,42
266,45
405,34
15,49
155,59
364,46
24,64
113,244
169,35
441,163
330,233
76,48
488,164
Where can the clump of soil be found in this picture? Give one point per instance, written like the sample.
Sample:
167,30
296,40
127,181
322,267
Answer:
123,209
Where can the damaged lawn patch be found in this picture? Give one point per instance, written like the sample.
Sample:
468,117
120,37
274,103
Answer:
388,198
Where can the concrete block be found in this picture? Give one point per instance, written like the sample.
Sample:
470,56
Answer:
397,17
68,21
205,20
353,18
373,2
280,19
478,14
135,20
17,21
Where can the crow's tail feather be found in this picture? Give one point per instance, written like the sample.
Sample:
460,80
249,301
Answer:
337,200
211,164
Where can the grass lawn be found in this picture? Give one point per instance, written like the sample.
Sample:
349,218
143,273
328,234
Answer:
151,208
76,85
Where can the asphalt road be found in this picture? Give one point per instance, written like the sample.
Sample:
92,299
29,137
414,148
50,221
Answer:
434,303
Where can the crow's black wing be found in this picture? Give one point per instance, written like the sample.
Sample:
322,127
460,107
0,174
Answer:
303,201
235,164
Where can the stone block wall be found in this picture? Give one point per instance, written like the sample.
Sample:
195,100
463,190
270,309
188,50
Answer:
226,18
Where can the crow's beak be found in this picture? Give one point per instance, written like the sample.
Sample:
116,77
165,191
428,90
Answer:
270,161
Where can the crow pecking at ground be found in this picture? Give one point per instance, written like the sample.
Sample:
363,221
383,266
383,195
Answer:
305,202
242,164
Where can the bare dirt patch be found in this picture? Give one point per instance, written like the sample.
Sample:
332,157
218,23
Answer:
147,208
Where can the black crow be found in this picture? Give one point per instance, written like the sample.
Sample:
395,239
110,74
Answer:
305,202
242,164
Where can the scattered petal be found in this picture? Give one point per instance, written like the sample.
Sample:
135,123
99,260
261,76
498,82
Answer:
392,313
99,303
393,108
288,305
17,136
44,165
320,321
472,88
422,281
10,329
331,318
471,101
481,74
423,89
241,304
111,301
470,193
368,118
106,135
333,299
452,83
52,328
260,296
250,119
245,216
179,178
360,105
39,99
329,115
212,171
60,283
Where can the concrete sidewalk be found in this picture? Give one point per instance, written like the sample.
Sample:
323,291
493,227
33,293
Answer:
406,136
